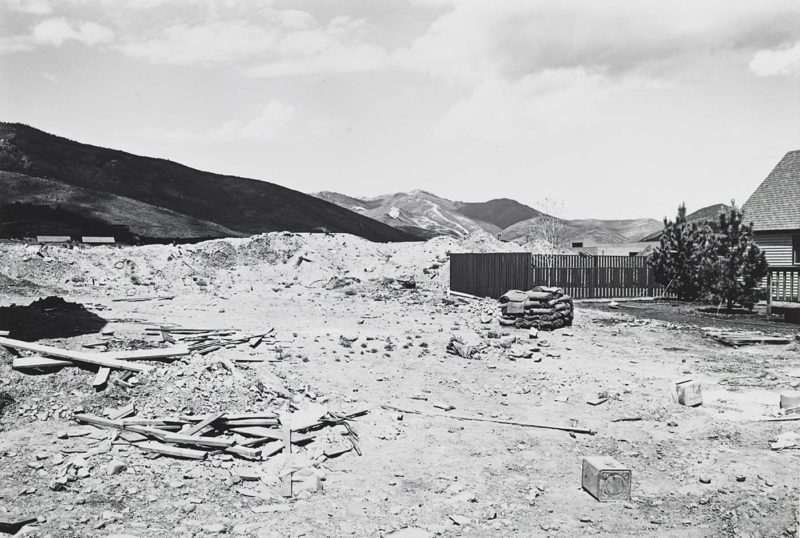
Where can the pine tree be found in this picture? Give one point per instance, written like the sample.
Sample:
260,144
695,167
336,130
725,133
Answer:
678,262
738,264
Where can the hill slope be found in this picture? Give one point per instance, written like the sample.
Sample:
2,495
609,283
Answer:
507,218
589,230
199,201
502,212
415,210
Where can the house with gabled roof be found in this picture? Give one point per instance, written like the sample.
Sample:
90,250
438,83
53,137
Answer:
774,210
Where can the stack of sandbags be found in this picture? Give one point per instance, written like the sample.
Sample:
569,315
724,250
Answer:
545,308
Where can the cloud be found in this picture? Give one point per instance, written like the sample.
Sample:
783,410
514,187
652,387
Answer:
206,44
283,43
49,77
782,61
268,122
55,32
543,66
550,102
33,7
335,48
511,39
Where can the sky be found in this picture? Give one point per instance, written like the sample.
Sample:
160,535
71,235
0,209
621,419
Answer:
600,109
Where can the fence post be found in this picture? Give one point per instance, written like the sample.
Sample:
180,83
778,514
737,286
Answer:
594,277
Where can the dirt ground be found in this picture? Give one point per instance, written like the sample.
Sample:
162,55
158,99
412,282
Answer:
433,475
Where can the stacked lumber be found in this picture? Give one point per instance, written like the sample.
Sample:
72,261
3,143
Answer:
204,341
250,436
544,308
50,357
743,338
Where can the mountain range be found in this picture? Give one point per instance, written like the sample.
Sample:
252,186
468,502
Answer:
50,185
424,213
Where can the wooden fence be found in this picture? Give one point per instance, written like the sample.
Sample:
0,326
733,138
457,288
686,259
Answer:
582,277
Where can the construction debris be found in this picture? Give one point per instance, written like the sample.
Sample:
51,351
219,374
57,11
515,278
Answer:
569,429
204,341
457,346
12,524
786,440
543,308
790,400
689,393
606,479
217,431
742,338
103,361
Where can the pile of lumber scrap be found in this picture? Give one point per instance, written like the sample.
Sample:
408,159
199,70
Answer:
250,436
49,357
544,308
743,338
204,341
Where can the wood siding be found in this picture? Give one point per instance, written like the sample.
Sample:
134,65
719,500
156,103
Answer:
777,247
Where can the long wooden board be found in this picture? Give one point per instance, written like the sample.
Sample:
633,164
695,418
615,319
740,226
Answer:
149,354
39,362
169,450
98,359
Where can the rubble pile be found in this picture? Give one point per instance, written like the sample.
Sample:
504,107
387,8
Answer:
205,341
544,308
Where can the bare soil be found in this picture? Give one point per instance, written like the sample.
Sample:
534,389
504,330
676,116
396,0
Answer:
444,476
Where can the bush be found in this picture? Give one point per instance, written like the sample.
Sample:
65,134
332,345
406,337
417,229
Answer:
693,261
738,264
679,261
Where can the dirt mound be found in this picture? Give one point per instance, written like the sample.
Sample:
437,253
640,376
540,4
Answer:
273,260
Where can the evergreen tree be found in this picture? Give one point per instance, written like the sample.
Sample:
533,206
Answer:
679,261
738,265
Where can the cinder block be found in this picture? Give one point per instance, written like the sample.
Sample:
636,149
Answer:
606,479
790,400
689,393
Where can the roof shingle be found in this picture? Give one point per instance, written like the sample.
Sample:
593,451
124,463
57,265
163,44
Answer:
775,205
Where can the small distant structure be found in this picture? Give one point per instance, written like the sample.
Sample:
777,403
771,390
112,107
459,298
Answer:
97,240
640,248
53,239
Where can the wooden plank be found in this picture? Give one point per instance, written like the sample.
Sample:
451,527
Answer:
198,440
160,422
123,412
10,524
149,354
100,422
272,448
245,452
251,422
101,377
286,481
39,362
97,359
232,416
257,431
149,431
169,450
203,423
